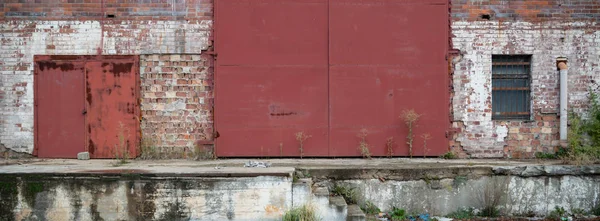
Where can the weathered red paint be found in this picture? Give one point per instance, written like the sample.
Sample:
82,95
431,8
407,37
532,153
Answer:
387,56
329,69
59,102
91,101
272,77
111,100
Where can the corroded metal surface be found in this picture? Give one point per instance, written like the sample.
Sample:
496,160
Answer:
111,99
87,103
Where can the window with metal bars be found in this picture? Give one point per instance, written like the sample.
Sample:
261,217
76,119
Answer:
511,90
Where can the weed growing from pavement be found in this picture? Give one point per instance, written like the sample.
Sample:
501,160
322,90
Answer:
410,118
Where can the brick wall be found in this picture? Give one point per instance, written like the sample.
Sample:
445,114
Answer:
176,102
82,27
544,29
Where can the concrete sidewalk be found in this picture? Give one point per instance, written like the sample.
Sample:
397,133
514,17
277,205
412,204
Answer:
279,167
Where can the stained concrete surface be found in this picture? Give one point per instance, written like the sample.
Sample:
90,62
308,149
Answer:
236,165
225,190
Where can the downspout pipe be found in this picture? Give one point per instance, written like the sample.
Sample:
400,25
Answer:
563,68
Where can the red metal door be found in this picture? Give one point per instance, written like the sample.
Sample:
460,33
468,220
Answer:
59,103
271,77
330,68
387,56
112,107
86,103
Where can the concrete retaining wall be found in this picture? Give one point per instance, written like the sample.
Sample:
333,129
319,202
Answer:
88,198
527,190
516,195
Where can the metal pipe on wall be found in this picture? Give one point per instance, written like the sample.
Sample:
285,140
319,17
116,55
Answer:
562,67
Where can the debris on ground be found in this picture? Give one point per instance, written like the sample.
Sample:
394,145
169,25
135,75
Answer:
258,164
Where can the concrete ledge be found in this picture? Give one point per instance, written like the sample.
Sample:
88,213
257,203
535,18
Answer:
547,170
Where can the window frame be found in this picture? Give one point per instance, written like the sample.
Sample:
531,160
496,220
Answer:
512,63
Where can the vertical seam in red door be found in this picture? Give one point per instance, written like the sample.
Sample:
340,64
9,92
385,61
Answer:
85,107
328,84
214,79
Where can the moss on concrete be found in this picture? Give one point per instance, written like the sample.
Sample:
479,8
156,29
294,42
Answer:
31,190
8,202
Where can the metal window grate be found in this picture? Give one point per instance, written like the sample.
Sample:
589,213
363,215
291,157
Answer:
511,90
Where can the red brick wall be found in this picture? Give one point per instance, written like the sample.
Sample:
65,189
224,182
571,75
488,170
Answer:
526,10
177,102
544,29
97,9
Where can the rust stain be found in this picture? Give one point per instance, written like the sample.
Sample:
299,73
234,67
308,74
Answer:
271,209
122,68
92,147
53,65
64,57
281,114
88,89
275,110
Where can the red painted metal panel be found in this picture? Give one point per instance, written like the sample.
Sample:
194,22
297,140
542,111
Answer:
373,97
387,56
271,77
271,32
112,107
262,108
59,102
388,32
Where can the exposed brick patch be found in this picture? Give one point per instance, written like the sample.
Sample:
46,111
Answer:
526,10
177,101
96,9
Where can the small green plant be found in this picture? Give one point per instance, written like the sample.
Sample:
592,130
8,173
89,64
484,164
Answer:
149,150
578,212
390,146
546,156
462,214
425,138
449,155
303,213
363,146
557,213
596,209
350,195
410,118
301,137
492,195
489,211
370,208
584,135
398,214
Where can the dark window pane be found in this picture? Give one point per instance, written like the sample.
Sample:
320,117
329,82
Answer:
511,87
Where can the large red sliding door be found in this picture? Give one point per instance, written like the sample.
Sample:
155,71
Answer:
328,69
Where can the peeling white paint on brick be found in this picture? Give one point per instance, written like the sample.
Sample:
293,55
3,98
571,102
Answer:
76,38
545,41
